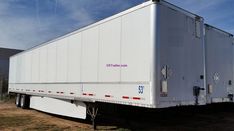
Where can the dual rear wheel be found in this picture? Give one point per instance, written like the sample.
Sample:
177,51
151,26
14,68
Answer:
22,101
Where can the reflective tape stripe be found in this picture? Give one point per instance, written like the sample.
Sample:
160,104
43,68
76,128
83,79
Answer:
125,97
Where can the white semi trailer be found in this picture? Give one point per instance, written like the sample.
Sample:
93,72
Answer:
151,56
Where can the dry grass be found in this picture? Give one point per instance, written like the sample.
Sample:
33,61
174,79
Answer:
205,118
16,119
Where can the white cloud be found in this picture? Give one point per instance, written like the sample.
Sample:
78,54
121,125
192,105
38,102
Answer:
23,31
17,30
76,12
35,25
85,12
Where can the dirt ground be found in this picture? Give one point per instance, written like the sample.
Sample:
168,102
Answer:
212,117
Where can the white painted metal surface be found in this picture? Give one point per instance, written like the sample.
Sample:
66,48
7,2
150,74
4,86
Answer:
60,107
90,51
74,58
109,51
135,51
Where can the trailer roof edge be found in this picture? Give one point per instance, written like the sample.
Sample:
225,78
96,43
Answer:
218,29
186,12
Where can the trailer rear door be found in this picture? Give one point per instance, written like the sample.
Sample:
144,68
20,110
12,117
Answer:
180,50
219,63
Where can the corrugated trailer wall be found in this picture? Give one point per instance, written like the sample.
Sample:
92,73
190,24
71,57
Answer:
108,61
219,64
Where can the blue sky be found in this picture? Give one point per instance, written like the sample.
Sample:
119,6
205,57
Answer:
26,23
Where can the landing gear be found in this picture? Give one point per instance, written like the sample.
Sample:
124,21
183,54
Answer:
92,110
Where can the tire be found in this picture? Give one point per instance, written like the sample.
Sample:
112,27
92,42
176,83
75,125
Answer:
17,100
24,101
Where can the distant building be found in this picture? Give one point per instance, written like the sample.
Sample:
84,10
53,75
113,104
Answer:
5,54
